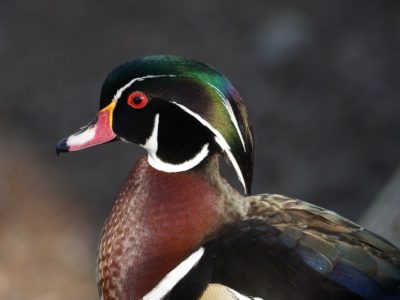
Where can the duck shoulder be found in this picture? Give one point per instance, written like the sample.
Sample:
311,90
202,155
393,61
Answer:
306,223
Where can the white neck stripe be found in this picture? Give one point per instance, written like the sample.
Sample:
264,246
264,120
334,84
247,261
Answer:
231,114
122,89
219,139
151,146
174,276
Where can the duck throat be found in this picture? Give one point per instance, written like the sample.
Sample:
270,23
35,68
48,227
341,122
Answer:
157,220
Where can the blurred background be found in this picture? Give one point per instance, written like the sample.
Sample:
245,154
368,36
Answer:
321,80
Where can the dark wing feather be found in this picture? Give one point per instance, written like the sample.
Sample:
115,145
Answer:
289,249
337,248
251,259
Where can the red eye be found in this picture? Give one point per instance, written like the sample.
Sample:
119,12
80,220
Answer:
137,100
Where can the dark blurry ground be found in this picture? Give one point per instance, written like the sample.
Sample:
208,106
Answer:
321,80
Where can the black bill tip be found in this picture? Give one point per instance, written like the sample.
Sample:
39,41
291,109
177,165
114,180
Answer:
62,147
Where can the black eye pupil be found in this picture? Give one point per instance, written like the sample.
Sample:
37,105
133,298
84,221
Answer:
137,100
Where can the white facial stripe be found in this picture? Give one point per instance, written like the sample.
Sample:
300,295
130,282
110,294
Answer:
121,90
239,296
231,114
224,100
151,146
174,276
233,161
220,140
82,137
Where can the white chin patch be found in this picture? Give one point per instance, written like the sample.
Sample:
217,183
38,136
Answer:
158,164
151,146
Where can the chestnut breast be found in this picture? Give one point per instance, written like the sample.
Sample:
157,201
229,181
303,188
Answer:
157,220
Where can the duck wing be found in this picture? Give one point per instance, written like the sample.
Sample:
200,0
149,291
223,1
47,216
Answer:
290,249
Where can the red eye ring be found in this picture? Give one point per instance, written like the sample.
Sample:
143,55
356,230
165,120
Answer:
137,100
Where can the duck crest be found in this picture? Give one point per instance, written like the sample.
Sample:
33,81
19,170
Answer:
202,92
157,220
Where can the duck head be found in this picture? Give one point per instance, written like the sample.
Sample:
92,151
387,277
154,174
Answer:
178,109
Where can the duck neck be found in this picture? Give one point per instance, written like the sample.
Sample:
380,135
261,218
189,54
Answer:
157,220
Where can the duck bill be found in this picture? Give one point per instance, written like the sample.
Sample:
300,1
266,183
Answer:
98,131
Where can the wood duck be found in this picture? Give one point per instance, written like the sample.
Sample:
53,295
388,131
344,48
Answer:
179,230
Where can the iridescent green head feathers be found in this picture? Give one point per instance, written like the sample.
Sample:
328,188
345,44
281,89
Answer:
179,110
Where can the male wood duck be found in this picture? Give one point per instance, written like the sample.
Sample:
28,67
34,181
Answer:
179,230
